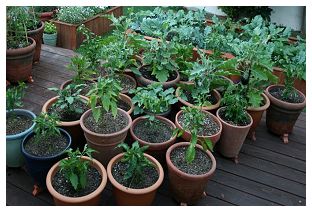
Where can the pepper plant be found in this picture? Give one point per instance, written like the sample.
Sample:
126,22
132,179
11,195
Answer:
46,126
82,67
14,97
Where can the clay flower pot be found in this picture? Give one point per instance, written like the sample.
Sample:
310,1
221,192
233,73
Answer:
127,99
281,116
37,36
187,135
19,62
232,138
142,81
157,150
131,197
187,188
105,144
72,127
14,157
126,91
67,82
280,73
212,108
90,199
256,114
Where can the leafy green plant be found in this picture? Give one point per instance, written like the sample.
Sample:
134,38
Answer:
193,122
82,67
240,12
42,9
49,28
46,126
14,97
105,94
75,168
136,162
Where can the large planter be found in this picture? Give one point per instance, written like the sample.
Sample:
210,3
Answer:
50,39
256,114
19,62
105,144
281,116
142,81
14,157
157,150
187,188
72,127
69,38
38,167
37,36
232,138
212,108
187,135
90,199
134,197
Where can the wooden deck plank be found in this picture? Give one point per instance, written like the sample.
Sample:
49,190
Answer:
58,51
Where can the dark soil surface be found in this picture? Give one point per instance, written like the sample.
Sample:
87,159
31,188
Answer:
212,99
68,115
46,147
210,127
149,176
200,165
64,187
278,91
147,73
123,105
222,115
87,88
126,83
156,132
183,77
16,124
107,124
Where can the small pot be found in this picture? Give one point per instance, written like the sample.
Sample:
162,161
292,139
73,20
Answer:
157,150
134,197
14,157
256,114
127,99
90,199
187,188
232,138
168,84
50,39
211,108
72,127
187,135
281,116
37,36
105,143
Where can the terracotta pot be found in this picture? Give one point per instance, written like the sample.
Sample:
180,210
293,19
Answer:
211,108
232,138
46,16
300,85
127,99
67,82
165,114
168,84
187,135
72,127
187,188
126,91
280,73
281,116
105,143
37,36
157,150
129,196
90,199
256,114
292,40
19,62
235,78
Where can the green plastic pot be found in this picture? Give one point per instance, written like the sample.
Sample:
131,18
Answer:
50,39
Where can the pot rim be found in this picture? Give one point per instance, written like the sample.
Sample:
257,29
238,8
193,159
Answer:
36,30
20,51
96,164
25,132
183,174
124,91
263,107
127,99
67,82
149,189
234,126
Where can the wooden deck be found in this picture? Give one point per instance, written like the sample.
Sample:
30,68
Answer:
269,172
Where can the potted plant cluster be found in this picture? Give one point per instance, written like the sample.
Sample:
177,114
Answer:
19,122
49,34
78,179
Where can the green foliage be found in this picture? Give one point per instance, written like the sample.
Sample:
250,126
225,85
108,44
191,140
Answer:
49,28
14,96
42,9
78,14
46,126
104,96
82,67
75,168
67,97
240,12
136,161
153,98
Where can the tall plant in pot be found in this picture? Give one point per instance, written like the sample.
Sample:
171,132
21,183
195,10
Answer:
20,48
78,179
44,147
19,123
105,125
49,34
135,176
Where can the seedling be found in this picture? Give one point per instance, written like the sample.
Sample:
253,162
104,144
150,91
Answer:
14,97
46,126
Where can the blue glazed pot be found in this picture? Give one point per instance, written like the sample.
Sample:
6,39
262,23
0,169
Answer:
38,167
14,157
50,39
